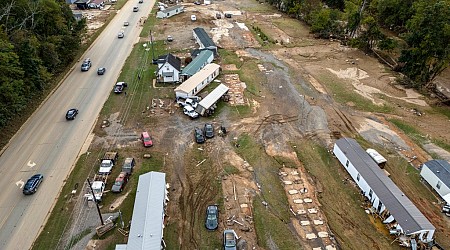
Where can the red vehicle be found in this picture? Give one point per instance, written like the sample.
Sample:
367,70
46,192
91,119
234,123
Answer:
146,139
120,182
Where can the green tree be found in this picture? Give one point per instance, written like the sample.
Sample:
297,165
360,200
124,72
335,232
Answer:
428,39
325,22
393,14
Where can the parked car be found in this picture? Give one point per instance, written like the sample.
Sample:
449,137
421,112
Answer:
228,15
71,114
209,130
86,65
120,182
169,38
121,35
146,139
32,184
119,87
212,217
198,135
193,18
229,239
141,1
189,111
101,71
135,9
197,3
126,23
128,165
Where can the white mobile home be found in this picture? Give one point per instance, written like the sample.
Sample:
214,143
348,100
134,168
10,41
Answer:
386,198
198,81
171,11
205,105
437,174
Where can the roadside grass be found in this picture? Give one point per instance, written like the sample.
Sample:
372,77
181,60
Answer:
230,170
410,131
340,199
292,27
285,162
229,57
272,223
343,93
443,110
260,8
77,238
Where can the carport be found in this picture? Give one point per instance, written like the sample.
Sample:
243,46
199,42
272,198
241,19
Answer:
211,99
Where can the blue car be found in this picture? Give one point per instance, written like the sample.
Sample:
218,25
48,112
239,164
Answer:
32,184
212,217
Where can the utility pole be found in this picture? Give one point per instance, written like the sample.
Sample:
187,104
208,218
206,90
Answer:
153,50
96,203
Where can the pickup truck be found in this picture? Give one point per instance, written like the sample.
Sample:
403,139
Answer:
108,162
98,187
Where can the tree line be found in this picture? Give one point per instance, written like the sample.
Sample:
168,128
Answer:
38,40
421,30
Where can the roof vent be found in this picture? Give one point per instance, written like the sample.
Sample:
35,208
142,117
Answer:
437,171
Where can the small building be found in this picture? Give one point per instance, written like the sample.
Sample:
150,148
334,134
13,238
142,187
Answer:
147,222
387,200
171,11
204,41
437,174
377,157
200,61
206,105
198,81
82,4
169,68
77,15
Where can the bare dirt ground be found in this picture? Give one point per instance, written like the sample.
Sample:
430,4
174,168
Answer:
293,102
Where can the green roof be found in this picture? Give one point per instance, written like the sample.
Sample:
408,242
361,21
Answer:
198,63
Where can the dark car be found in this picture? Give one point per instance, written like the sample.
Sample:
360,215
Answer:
198,135
32,184
86,65
229,239
209,130
128,165
101,71
120,182
212,217
71,114
119,87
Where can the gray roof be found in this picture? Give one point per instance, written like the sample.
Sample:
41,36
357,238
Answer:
441,169
213,96
171,59
167,10
204,38
404,211
148,213
197,64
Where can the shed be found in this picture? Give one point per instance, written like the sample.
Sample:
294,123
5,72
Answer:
169,68
171,11
205,105
203,40
387,199
201,60
198,81
147,222
437,174
377,157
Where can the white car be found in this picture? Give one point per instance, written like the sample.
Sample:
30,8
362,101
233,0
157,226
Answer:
121,34
193,18
126,23
189,111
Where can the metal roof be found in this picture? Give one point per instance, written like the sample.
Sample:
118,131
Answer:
404,211
441,169
148,213
213,96
198,62
197,78
167,10
171,59
204,38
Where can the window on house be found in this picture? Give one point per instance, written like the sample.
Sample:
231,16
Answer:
346,163
357,177
438,185
370,193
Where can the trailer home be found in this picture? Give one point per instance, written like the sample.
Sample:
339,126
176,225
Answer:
204,41
198,81
386,199
437,174
171,11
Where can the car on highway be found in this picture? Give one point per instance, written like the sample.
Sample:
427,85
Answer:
121,34
128,165
120,182
229,239
135,9
32,184
209,130
212,217
198,135
101,71
71,114
86,65
126,23
146,139
119,87
141,1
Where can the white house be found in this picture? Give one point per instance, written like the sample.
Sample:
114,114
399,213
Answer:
198,81
386,198
205,105
171,11
169,68
437,174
